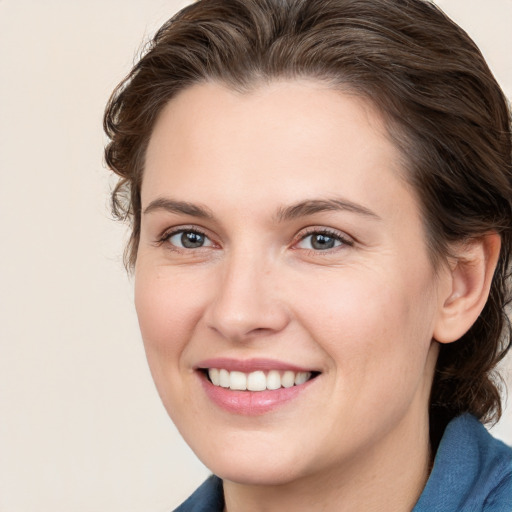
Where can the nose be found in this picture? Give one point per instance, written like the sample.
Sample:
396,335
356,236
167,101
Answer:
247,302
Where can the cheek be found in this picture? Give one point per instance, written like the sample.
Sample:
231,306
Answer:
167,310
372,324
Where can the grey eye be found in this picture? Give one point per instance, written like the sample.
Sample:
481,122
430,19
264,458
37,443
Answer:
189,240
319,242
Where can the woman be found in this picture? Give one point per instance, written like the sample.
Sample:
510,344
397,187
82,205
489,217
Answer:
320,195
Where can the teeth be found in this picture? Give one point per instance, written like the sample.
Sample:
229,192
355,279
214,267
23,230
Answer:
300,378
224,378
237,381
214,376
288,379
258,380
273,380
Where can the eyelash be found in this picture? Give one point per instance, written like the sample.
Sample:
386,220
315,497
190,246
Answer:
167,235
344,240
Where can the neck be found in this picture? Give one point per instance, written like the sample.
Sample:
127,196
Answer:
389,477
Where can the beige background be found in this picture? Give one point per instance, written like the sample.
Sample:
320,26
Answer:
81,427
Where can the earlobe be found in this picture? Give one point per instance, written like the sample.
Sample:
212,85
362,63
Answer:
469,280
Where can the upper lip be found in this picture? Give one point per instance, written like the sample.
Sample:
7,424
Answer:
250,365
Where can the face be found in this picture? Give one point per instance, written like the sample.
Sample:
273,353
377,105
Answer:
281,249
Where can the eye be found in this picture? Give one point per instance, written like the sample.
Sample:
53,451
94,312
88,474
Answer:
322,241
188,239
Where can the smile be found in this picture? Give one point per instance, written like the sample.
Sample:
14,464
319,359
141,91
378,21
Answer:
257,380
253,387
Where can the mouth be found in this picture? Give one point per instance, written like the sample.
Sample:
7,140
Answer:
258,380
253,387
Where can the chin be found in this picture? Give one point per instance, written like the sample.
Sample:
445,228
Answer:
258,463
255,473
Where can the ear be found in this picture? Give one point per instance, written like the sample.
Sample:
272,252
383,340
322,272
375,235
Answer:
468,280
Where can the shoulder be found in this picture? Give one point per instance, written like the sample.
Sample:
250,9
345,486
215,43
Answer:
208,497
472,471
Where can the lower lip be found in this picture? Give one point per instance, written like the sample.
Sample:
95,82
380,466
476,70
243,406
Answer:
251,403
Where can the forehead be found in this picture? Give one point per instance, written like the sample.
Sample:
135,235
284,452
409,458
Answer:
279,141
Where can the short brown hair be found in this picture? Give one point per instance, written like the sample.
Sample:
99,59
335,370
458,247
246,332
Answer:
443,107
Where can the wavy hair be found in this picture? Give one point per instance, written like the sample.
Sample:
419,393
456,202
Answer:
443,108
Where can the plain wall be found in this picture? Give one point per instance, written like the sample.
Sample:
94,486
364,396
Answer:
81,426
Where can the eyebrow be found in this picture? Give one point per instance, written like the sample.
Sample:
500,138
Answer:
184,207
312,206
294,211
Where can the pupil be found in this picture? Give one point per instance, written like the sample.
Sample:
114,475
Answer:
322,242
192,240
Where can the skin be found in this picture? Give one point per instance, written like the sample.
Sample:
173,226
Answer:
363,313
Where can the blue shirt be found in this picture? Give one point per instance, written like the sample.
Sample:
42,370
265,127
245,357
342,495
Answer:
472,473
